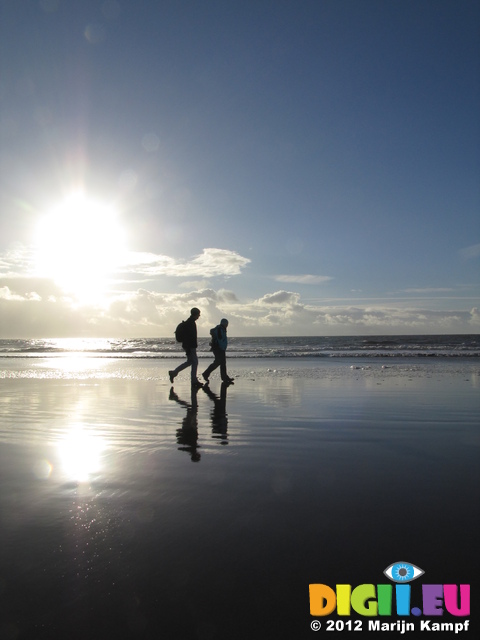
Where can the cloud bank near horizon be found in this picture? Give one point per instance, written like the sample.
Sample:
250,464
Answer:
45,311
38,307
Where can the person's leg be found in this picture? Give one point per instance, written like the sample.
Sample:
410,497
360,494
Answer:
223,365
212,367
174,373
181,367
193,358
206,374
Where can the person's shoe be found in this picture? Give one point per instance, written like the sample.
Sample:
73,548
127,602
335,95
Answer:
229,381
205,377
197,384
172,376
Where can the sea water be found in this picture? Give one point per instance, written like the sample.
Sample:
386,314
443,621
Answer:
271,347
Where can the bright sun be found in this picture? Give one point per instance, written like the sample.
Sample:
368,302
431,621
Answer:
79,244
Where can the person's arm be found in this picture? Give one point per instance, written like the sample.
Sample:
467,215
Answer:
222,338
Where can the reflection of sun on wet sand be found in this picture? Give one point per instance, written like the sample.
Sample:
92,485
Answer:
80,453
105,522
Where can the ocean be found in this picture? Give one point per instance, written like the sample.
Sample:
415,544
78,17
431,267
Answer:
417,346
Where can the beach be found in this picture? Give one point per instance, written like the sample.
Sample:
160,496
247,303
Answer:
134,509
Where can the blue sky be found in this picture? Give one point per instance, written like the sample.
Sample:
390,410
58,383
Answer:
307,167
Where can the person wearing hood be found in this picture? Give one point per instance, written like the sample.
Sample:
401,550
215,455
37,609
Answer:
219,348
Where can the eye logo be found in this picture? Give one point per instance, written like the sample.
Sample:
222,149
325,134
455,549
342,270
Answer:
403,572
372,600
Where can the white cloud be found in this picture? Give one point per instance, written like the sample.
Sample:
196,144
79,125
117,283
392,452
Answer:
470,253
393,320
19,262
215,262
303,279
16,262
37,308
280,298
211,262
475,316
6,294
226,296
194,284
428,290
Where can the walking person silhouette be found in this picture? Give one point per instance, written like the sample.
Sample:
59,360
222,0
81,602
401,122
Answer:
219,348
189,344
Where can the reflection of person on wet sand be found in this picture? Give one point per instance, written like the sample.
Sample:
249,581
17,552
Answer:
219,412
187,436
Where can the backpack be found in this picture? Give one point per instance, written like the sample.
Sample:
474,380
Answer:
214,341
180,332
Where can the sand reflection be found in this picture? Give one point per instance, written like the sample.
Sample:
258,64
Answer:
187,436
219,416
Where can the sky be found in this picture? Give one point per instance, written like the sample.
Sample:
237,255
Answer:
300,167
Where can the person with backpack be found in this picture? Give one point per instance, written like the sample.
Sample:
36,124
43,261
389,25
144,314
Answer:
219,348
186,333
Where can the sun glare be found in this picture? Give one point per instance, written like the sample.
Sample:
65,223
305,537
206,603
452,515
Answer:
79,244
81,454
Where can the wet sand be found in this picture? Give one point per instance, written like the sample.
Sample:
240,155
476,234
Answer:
131,510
